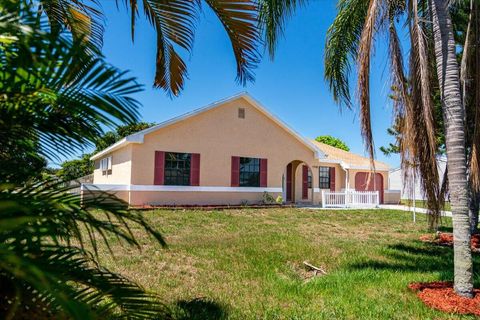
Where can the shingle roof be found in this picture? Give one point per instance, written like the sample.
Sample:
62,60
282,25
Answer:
352,159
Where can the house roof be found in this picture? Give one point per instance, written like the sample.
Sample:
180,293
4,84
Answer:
348,159
138,137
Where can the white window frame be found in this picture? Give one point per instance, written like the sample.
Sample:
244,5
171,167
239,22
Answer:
106,165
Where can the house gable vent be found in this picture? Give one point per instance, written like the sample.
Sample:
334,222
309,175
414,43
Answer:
241,113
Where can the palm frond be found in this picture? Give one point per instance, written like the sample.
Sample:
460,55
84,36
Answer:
341,47
67,96
273,15
239,19
56,95
70,282
83,18
37,219
423,70
363,84
174,22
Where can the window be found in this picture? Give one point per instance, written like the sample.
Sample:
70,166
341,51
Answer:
241,113
249,172
309,179
177,169
106,165
324,178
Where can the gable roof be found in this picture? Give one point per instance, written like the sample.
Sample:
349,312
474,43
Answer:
138,137
347,159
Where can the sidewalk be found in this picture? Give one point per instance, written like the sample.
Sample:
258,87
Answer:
407,208
382,206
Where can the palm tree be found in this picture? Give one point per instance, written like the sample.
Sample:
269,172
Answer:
454,113
55,93
174,22
350,38
469,28
249,25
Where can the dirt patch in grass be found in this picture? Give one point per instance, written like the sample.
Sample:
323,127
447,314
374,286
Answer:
446,239
441,296
304,272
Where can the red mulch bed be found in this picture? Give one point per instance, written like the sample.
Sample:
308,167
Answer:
441,296
446,239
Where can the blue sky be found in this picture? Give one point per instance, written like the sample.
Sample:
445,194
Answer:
291,86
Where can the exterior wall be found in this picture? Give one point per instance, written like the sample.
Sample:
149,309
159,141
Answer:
340,176
411,191
121,168
196,198
91,193
391,196
217,135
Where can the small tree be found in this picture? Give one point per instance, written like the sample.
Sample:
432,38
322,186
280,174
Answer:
73,169
121,132
77,168
332,141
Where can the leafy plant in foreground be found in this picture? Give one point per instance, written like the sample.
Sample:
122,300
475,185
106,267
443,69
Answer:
57,96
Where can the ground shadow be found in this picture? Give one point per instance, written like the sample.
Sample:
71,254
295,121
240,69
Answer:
417,257
201,309
445,229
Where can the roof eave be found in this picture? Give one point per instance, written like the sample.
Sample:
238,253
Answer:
346,165
117,145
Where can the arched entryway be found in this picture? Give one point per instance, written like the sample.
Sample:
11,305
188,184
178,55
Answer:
361,180
298,183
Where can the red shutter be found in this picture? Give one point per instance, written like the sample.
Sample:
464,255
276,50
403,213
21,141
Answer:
159,168
263,173
304,182
195,169
289,182
332,179
235,171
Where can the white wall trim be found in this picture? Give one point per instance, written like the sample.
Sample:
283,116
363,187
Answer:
133,187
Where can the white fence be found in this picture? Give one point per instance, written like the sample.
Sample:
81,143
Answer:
350,199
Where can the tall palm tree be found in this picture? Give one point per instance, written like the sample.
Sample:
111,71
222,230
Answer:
469,27
351,38
454,113
51,91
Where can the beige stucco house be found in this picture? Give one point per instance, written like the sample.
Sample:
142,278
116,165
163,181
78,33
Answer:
229,152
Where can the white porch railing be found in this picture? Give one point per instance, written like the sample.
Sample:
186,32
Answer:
350,199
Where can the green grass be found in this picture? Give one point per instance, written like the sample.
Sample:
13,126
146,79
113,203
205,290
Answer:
247,264
422,204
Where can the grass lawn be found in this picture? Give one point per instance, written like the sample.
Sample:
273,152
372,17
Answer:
422,204
247,264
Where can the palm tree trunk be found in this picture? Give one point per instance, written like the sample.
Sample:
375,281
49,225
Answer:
453,112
